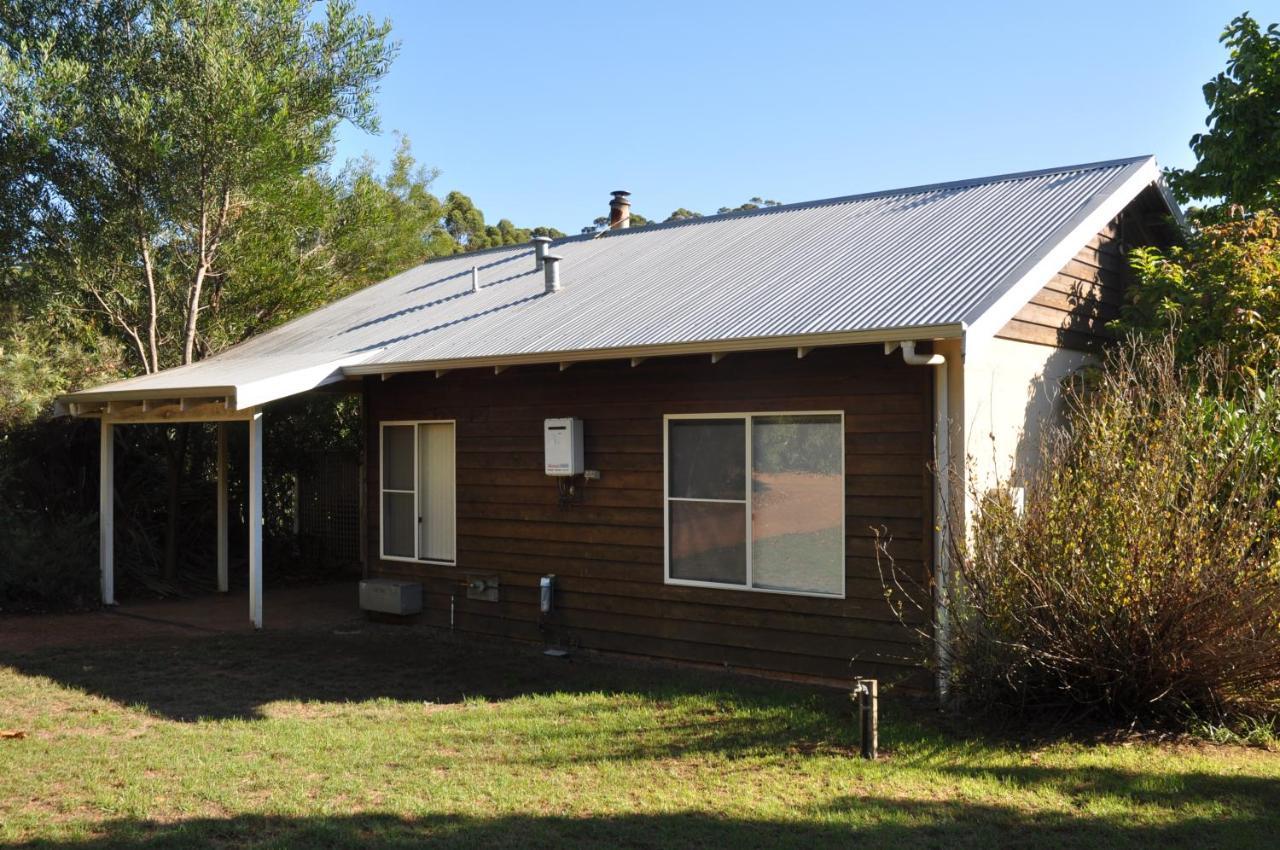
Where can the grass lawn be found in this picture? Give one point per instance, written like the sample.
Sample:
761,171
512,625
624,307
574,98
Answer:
394,737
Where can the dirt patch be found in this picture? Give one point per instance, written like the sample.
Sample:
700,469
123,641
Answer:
310,606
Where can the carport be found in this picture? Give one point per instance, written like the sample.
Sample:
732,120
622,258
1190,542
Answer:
225,393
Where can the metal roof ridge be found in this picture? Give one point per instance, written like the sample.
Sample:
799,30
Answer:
1008,177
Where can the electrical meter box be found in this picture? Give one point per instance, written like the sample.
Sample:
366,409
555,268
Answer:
562,439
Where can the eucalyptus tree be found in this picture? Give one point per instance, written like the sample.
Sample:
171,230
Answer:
139,137
464,222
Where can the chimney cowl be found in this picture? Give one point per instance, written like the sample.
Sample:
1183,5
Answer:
620,210
540,246
551,271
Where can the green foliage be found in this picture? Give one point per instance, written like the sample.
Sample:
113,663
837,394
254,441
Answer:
464,221
1141,584
145,130
315,238
165,193
37,364
47,566
753,204
386,225
48,518
1222,288
1238,158
601,223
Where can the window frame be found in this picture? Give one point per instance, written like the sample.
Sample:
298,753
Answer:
382,491
667,498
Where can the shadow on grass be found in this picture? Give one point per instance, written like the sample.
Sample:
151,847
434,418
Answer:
852,822
236,676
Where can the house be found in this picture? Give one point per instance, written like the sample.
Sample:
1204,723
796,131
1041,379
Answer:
755,394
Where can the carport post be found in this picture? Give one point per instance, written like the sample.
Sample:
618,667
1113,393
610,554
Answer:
106,512
222,507
255,520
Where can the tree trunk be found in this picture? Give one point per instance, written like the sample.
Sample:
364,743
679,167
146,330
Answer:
176,456
193,316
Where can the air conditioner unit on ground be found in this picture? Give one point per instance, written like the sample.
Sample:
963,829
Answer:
388,596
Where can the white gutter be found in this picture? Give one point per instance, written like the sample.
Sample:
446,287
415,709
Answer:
942,465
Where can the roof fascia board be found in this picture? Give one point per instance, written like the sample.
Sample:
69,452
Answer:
1166,194
259,392
997,314
948,331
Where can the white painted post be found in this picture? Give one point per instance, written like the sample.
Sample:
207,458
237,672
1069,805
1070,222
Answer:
106,512
255,520
223,584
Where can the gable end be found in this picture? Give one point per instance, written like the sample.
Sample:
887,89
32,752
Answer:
1074,309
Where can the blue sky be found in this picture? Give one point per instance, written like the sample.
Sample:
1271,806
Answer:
538,111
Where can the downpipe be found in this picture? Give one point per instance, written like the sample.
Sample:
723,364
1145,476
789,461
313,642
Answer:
942,465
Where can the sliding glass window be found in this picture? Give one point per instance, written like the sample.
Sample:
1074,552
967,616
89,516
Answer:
755,501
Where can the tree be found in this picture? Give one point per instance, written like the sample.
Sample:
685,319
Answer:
753,204
1238,157
143,134
601,223
681,214
1222,288
386,225
464,221
318,237
147,131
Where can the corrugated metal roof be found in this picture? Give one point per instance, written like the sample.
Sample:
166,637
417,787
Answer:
930,257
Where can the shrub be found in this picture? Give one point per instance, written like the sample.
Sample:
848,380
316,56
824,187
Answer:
1141,582
1220,289
46,568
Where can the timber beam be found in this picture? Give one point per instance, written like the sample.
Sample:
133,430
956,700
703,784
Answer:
162,410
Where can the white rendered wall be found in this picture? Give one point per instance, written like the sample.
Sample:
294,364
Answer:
1012,391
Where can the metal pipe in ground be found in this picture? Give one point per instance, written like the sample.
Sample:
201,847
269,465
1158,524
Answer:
867,694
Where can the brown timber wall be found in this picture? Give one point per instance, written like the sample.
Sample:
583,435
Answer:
1073,310
607,551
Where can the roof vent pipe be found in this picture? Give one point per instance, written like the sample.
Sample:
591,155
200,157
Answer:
551,270
540,246
620,210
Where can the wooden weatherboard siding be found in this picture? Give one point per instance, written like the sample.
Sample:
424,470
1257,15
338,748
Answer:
1073,310
607,550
